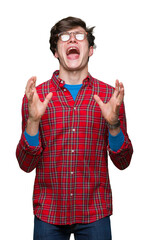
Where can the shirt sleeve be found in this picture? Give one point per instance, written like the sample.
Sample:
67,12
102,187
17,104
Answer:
115,142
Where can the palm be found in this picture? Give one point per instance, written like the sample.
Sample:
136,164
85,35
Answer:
35,106
110,110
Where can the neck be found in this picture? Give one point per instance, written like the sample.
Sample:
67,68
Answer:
73,77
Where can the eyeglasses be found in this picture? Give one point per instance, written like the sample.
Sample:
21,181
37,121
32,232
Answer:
65,36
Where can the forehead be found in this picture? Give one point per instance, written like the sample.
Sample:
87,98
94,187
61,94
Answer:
77,29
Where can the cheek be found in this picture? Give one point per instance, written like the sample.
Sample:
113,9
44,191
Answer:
86,50
59,54
60,50
85,53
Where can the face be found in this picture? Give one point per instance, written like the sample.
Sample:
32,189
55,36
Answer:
73,54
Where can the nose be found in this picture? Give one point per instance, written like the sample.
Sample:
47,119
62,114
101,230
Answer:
72,37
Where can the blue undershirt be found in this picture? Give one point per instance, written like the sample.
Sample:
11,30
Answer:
115,142
73,89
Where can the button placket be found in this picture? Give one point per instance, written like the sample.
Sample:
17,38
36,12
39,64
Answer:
73,152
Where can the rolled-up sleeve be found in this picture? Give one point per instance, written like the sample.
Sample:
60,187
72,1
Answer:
122,157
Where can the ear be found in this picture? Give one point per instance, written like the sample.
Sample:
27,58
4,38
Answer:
90,51
56,54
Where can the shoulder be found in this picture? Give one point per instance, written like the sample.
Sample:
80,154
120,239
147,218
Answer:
102,85
102,89
48,85
43,86
43,89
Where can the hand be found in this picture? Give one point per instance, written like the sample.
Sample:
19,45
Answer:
110,110
36,108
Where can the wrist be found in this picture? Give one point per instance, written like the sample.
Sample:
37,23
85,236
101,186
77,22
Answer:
32,127
115,131
114,125
34,119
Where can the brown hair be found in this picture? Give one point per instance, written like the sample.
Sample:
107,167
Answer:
65,25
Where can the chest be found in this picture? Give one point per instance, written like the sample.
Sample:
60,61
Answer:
64,115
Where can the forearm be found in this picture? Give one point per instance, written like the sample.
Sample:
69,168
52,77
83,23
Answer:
32,127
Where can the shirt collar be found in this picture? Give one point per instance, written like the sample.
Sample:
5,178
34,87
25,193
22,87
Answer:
59,83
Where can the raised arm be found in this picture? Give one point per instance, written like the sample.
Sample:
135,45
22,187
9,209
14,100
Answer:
113,112
36,108
32,111
110,110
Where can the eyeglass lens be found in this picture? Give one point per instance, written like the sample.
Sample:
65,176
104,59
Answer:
66,36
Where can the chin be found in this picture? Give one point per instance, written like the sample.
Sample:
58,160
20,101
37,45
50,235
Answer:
75,65
74,68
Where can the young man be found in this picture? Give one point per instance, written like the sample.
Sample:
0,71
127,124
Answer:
69,123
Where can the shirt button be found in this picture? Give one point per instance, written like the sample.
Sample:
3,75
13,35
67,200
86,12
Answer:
73,130
71,172
72,150
74,108
61,81
71,194
65,90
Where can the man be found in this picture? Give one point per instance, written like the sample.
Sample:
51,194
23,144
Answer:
68,125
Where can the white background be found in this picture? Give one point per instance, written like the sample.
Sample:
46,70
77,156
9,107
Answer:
122,52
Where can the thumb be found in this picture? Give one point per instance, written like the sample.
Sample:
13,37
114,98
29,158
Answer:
48,98
98,100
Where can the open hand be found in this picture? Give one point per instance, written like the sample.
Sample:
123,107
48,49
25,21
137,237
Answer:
110,110
36,108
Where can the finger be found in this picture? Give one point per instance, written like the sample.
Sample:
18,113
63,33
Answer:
121,86
48,98
121,94
98,100
30,88
117,88
31,83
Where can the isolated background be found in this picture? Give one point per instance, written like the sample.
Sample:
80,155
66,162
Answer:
122,52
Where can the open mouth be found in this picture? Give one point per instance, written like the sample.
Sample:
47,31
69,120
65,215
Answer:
73,53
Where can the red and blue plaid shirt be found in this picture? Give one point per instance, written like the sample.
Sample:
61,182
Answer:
72,181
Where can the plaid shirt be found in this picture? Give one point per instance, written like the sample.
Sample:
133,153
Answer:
72,181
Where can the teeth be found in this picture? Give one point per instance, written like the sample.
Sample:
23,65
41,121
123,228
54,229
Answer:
72,48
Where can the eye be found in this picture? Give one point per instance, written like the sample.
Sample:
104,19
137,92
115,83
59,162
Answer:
64,37
80,36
